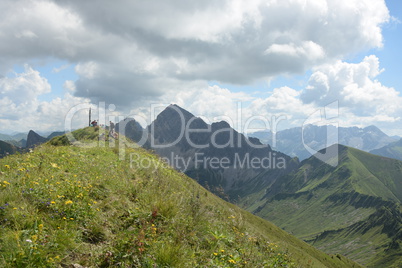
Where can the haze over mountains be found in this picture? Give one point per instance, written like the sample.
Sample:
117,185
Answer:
294,141
10,144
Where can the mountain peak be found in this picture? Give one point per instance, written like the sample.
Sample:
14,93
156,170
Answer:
374,129
174,114
34,139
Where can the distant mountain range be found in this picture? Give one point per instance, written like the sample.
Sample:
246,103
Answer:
294,141
19,142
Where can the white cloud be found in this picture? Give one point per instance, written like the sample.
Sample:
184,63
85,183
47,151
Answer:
21,109
144,44
132,53
23,87
355,86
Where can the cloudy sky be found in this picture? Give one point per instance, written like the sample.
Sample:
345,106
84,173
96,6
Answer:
270,59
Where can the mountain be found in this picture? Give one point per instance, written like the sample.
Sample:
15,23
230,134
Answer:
216,155
55,134
130,128
20,144
392,150
70,206
290,141
4,137
19,136
353,208
18,139
34,139
7,149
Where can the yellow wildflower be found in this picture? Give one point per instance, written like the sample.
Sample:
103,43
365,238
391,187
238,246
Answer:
68,202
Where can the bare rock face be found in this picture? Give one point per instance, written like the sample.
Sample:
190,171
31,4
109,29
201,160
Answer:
34,139
215,155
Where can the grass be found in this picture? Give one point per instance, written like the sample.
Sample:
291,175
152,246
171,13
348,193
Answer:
64,204
344,203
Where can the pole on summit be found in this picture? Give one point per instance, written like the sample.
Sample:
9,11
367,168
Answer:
89,124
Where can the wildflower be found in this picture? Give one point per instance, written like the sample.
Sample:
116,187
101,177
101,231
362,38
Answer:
29,240
232,261
54,165
222,250
216,254
7,166
68,202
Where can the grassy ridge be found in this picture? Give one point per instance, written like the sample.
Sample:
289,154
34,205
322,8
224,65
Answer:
63,205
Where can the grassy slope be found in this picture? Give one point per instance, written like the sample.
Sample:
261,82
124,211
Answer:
69,204
7,148
382,176
392,150
319,198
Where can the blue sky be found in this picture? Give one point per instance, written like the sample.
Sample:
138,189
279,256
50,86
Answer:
277,58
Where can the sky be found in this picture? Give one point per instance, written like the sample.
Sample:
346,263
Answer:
283,63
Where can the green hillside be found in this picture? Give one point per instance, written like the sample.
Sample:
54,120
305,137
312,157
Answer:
7,148
392,150
85,204
341,209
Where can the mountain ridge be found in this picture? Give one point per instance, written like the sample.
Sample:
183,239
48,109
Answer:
345,198
290,141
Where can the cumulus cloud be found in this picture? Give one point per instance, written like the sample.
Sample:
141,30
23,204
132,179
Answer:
20,107
133,48
355,86
23,87
134,53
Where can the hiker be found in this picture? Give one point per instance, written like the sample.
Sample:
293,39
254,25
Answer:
94,123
